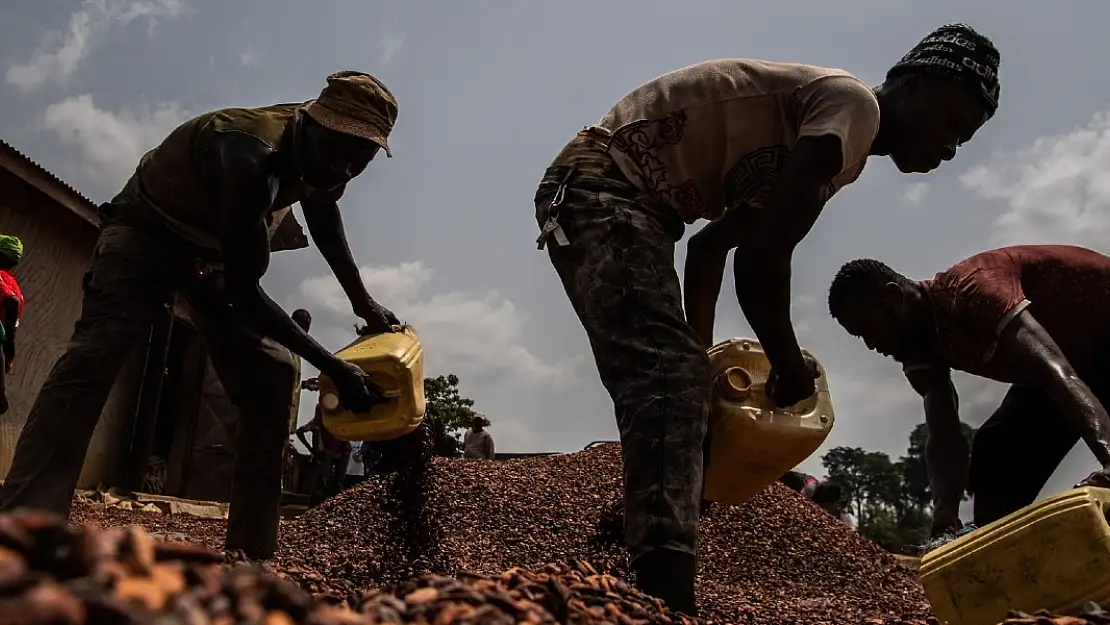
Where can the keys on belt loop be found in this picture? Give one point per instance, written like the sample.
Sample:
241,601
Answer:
551,226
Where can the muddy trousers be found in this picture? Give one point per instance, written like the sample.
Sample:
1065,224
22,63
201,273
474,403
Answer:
133,273
618,272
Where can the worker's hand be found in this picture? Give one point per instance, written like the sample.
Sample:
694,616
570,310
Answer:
1100,479
945,522
357,393
378,318
787,388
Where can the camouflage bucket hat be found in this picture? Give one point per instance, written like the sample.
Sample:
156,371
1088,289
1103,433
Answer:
357,104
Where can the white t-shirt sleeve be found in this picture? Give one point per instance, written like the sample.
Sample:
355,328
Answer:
842,106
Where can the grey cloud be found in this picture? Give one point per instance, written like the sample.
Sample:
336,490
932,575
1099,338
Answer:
62,53
104,145
1056,190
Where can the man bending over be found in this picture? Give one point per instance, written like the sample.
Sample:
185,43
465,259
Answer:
1033,316
756,148
193,220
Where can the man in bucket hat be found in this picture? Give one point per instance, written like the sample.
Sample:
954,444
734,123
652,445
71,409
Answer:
756,148
193,222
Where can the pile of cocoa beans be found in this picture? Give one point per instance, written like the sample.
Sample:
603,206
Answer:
777,559
54,574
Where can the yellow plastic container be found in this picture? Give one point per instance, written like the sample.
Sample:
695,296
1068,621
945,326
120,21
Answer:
395,362
1053,555
754,443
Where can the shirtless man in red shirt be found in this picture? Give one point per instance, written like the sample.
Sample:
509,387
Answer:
1034,316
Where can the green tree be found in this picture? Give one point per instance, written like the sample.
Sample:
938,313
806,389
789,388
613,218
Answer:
845,466
915,473
882,483
880,526
869,480
448,413
444,403
890,500
875,486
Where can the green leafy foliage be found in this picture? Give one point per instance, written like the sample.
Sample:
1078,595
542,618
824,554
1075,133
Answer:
448,412
890,500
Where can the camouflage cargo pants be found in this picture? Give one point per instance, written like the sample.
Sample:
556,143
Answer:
134,271
618,272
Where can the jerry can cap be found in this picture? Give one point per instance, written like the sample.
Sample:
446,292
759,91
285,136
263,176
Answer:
329,401
735,383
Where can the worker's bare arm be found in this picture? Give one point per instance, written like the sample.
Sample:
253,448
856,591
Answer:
325,225
240,167
947,452
1026,345
762,272
300,434
705,269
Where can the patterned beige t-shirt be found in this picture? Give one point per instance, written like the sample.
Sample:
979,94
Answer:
714,135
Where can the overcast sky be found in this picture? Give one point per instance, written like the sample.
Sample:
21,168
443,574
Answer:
490,91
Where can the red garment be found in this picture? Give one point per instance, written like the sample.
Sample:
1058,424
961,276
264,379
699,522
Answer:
809,486
10,288
1065,288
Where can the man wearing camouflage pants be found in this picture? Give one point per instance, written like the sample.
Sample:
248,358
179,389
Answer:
756,148
193,220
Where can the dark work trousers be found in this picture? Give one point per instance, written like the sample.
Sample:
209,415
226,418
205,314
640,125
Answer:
135,269
618,272
1021,445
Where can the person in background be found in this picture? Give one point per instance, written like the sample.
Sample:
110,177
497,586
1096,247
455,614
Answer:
354,472
303,319
199,204
820,492
478,443
11,309
371,458
1033,316
330,457
757,148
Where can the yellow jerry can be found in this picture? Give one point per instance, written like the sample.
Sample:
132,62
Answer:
395,362
754,442
1052,555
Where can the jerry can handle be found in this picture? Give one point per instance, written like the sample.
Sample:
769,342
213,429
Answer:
362,330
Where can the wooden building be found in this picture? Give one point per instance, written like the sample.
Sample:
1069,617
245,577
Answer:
167,422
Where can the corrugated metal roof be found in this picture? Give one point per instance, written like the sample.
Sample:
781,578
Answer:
82,205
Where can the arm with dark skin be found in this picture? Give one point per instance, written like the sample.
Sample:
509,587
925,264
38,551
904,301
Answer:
705,270
947,453
300,432
247,188
763,290
1029,348
325,224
